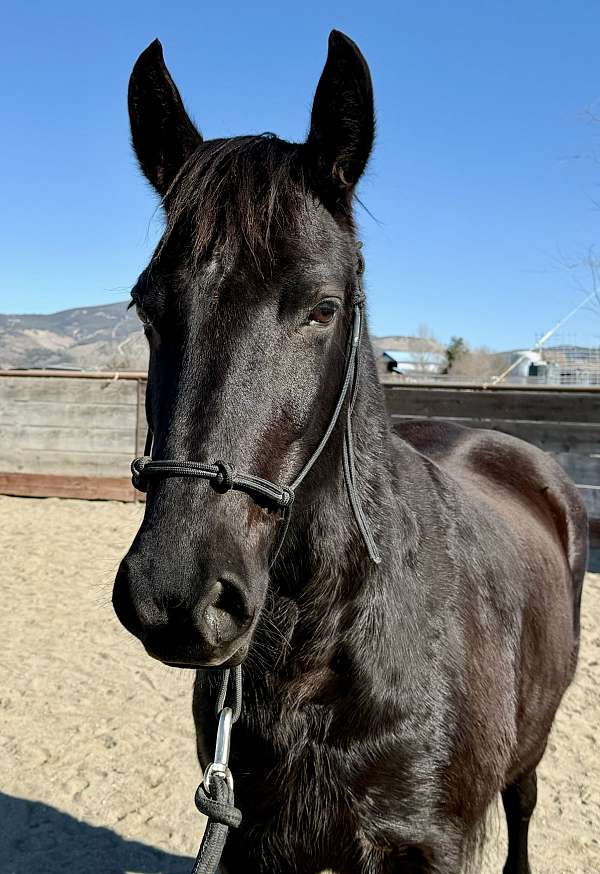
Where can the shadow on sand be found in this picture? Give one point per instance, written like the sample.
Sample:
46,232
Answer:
37,837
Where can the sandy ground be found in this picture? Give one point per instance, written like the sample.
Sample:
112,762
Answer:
97,759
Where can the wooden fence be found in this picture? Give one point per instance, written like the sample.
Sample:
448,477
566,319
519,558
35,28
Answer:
74,435
70,434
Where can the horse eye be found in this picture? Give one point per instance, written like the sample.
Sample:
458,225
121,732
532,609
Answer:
142,315
324,313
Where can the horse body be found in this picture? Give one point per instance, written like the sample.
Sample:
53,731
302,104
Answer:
382,727
386,705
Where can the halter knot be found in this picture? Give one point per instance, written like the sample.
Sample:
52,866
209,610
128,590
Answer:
223,481
137,472
287,498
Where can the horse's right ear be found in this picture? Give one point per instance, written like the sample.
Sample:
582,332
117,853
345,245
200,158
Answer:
342,124
162,133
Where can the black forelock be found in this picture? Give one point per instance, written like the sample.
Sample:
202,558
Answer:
237,195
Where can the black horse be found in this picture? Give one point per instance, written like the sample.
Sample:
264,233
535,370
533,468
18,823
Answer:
386,705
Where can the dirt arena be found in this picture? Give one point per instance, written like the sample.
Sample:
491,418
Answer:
96,742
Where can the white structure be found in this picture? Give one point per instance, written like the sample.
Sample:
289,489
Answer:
408,355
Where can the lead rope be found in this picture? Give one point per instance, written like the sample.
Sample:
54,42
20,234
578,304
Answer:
214,796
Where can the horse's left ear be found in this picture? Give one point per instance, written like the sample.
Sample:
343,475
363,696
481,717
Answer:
342,124
162,132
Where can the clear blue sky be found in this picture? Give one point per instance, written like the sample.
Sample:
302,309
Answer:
482,181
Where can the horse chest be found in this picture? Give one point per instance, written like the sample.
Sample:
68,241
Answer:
312,753
329,800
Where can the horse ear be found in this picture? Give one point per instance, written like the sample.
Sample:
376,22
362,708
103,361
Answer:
342,124
162,133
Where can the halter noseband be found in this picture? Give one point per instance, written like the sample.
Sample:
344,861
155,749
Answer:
223,478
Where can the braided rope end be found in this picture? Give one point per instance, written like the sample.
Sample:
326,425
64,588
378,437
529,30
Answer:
217,804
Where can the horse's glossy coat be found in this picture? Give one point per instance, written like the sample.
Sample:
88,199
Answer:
385,706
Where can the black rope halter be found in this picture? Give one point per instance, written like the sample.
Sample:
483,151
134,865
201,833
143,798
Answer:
223,478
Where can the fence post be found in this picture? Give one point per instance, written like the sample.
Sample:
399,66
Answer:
141,426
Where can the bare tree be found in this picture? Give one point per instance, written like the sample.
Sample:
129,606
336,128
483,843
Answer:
425,355
477,365
584,270
585,276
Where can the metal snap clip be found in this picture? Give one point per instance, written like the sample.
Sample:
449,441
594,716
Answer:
220,765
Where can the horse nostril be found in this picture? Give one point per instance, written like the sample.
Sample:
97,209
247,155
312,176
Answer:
176,609
231,599
226,613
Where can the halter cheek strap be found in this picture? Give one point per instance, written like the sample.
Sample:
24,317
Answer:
223,478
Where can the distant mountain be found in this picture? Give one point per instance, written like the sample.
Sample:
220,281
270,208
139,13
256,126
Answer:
109,337
85,338
404,343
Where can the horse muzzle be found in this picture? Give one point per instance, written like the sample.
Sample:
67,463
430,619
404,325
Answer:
208,625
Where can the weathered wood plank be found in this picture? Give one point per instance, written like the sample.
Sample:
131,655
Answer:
91,439
583,469
67,415
75,374
591,496
34,485
552,437
477,403
15,459
487,386
64,390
